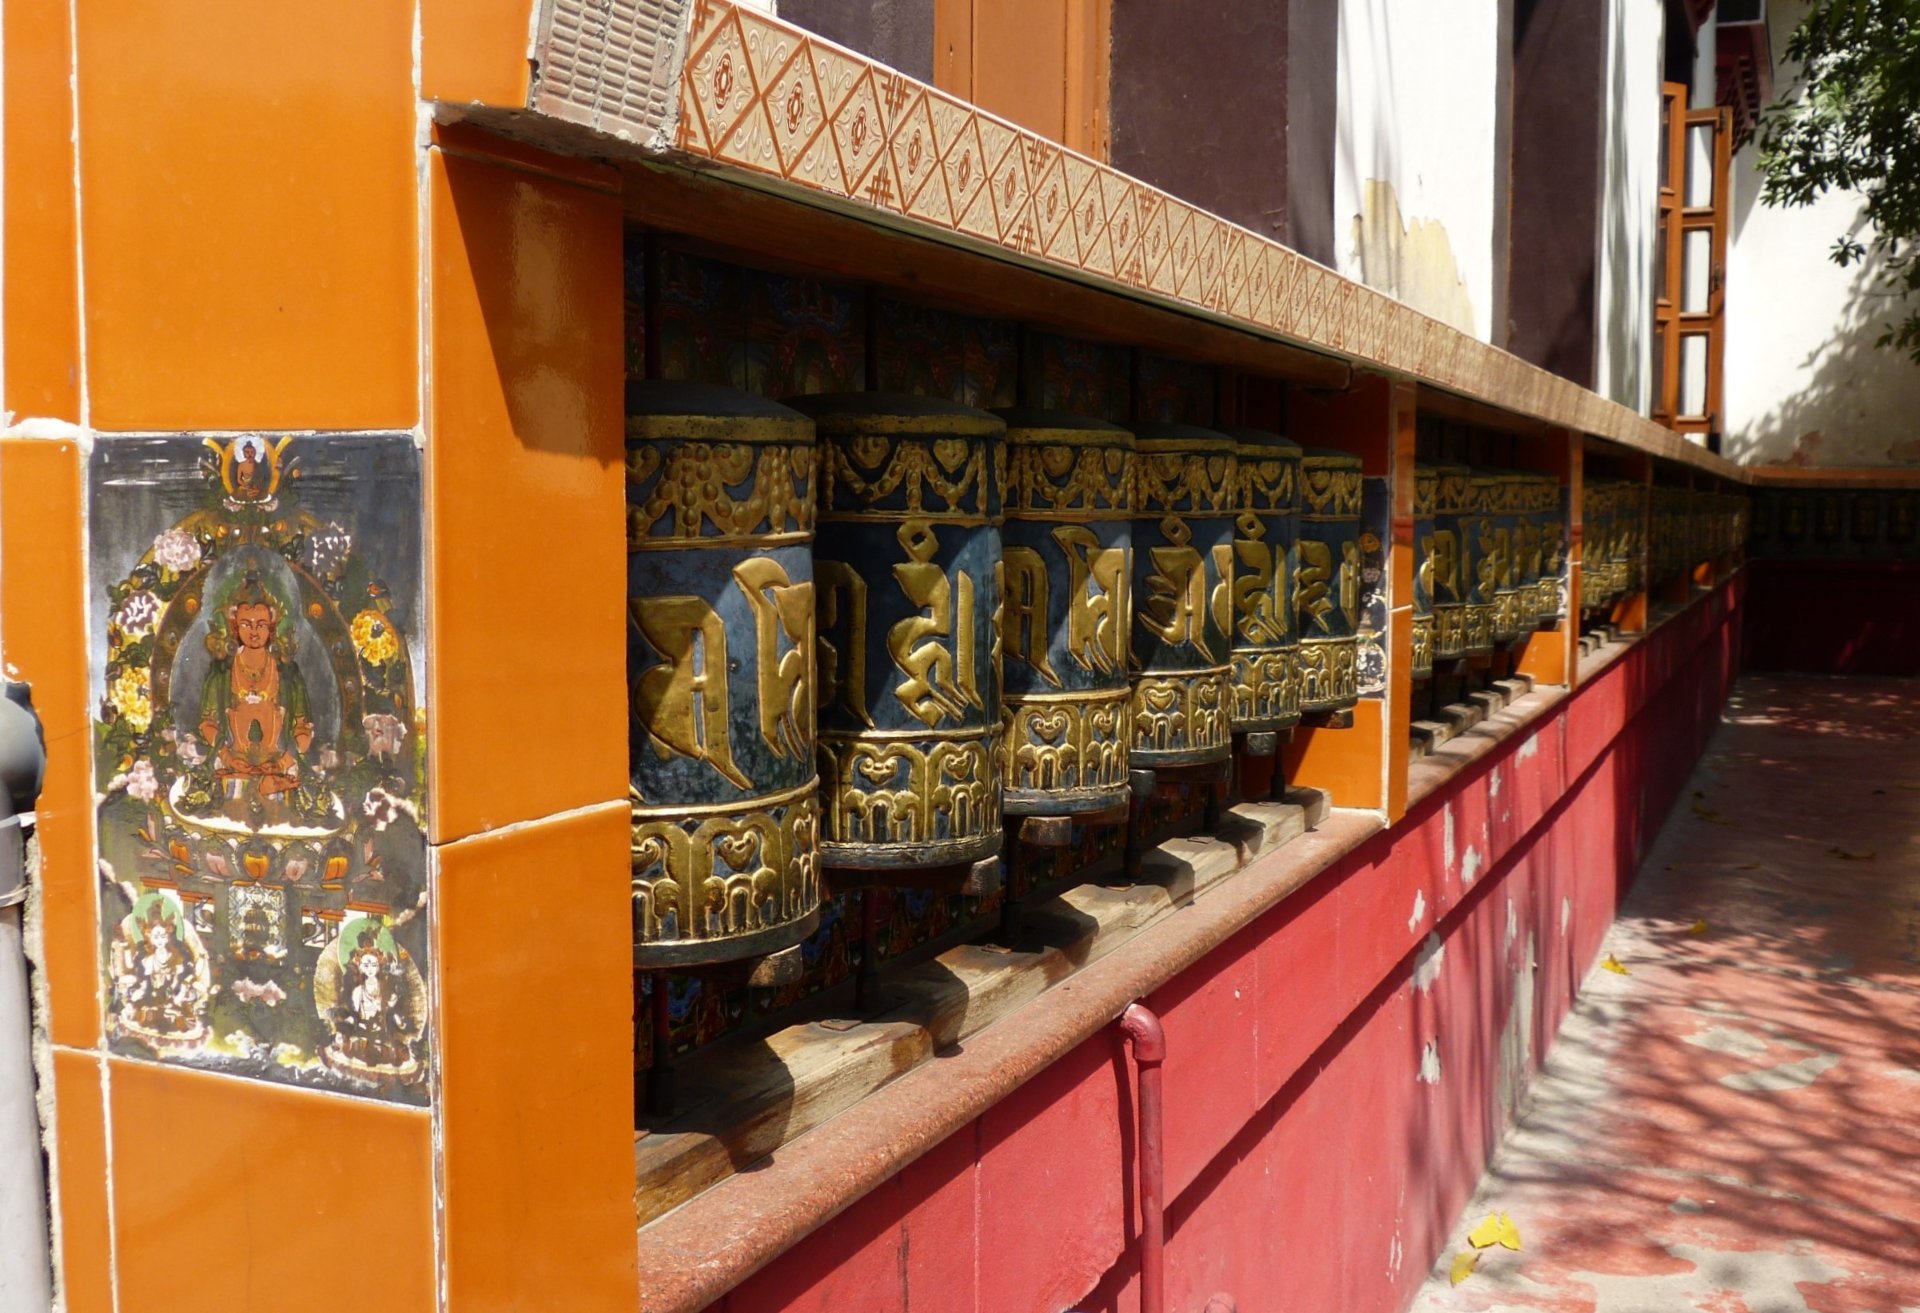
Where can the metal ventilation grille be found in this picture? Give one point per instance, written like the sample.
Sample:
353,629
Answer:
613,65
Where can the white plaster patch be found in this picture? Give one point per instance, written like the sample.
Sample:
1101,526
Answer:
1513,923
1419,909
1786,1076
1493,783
1686,1205
1446,837
1566,913
1429,1073
1426,961
1529,749
1470,868
1728,1039
1907,1074
1396,1256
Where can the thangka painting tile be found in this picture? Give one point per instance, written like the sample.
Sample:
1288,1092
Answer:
259,756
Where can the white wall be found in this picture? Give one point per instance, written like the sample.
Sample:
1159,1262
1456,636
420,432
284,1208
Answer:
1413,189
1804,382
1629,203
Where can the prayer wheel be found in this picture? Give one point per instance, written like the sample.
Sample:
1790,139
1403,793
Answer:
1069,509
1506,510
720,612
1482,559
1596,536
1426,503
1327,586
1183,525
907,577
1536,582
1264,642
1630,511
1445,560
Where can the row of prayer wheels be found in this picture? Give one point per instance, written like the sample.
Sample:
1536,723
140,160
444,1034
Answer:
1488,547
1613,518
1691,526
865,628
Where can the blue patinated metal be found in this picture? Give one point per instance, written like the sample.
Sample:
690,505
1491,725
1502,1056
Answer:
1327,587
1266,552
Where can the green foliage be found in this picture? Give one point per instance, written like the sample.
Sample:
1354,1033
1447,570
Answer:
1853,124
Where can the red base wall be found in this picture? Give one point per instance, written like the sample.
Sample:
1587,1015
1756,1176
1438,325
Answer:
1834,617
1335,1086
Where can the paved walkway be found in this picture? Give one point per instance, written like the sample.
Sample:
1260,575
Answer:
1734,1127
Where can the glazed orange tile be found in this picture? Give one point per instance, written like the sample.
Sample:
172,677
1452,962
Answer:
1347,763
248,220
302,1202
1397,706
475,51
43,596
536,1062
526,493
42,313
79,1169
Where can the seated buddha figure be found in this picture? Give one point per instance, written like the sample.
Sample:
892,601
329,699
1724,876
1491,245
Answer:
254,713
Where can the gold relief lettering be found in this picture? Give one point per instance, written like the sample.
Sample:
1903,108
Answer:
683,700
1259,591
1222,598
1495,547
781,607
1350,577
1025,598
1097,598
1177,590
938,682
843,664
1314,582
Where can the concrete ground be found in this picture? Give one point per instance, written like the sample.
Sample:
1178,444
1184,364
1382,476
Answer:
1734,1126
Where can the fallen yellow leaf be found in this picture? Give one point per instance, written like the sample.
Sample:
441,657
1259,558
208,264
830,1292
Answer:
1612,964
1463,1265
1847,854
1485,1234
1508,1234
1697,928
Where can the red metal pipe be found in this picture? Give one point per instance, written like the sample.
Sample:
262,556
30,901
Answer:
1142,1029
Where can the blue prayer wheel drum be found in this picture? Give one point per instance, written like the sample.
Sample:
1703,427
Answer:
1183,513
1506,510
720,621
1482,559
908,574
1265,641
1444,560
1327,583
1426,504
1065,597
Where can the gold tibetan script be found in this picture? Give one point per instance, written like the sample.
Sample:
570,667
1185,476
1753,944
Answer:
683,700
1097,584
1025,598
843,675
1259,590
1177,590
781,608
934,650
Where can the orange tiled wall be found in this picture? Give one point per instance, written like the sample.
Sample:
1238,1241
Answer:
227,217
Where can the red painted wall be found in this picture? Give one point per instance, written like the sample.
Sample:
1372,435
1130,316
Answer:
1834,617
1311,1167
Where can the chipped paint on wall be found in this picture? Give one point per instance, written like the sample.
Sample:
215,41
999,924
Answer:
1413,262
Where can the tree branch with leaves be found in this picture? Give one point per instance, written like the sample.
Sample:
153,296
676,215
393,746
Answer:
1852,123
